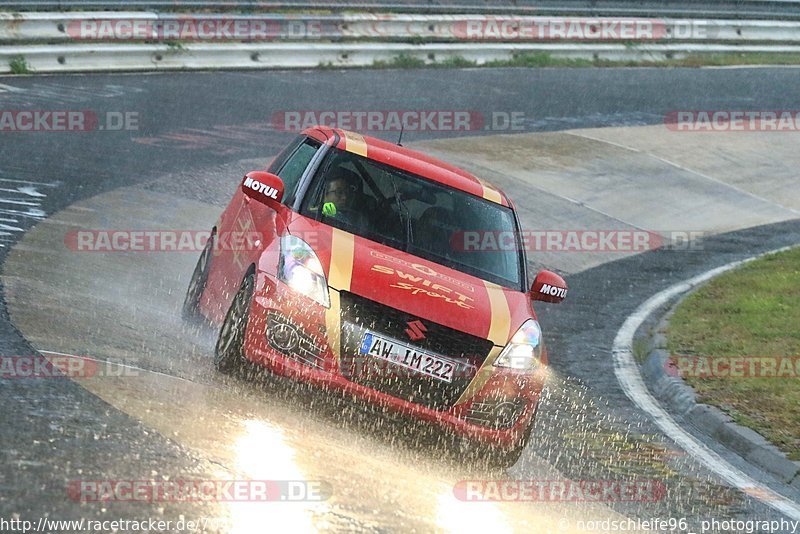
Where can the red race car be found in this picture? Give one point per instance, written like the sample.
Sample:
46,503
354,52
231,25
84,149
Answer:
361,265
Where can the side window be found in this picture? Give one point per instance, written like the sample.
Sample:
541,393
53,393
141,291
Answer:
295,165
280,159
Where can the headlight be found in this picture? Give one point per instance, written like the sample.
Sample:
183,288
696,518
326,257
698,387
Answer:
301,270
524,351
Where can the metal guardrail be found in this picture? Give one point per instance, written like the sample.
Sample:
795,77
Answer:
138,57
91,41
151,26
736,9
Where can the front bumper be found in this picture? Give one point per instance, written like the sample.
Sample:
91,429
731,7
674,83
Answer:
308,343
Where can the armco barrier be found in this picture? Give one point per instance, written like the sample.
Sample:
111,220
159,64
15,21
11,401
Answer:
109,57
139,26
738,9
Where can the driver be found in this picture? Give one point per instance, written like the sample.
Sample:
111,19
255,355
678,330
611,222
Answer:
343,192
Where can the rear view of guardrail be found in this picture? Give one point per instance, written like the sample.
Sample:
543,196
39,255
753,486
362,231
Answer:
142,57
146,40
737,9
151,26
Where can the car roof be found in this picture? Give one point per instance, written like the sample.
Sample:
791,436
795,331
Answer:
410,161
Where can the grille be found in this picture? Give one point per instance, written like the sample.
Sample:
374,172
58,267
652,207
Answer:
289,339
360,314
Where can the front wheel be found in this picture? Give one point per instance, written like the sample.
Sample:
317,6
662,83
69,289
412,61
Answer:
229,352
495,457
507,459
197,285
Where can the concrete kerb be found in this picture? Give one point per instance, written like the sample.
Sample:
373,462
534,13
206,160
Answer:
681,400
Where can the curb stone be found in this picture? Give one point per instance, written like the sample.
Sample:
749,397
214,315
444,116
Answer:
709,420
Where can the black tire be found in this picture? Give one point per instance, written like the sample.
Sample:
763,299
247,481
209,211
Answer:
495,457
512,456
507,459
228,353
197,285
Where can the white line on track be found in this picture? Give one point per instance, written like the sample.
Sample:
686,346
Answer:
122,365
30,196
42,184
10,89
627,371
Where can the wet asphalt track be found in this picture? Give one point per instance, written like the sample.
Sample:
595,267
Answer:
55,431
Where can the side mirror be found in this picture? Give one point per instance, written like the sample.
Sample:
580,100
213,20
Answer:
264,187
548,287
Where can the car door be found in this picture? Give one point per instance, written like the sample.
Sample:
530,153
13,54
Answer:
262,220
253,226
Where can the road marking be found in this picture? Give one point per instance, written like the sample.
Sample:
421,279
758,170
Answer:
20,193
32,213
627,371
63,94
10,89
18,202
26,190
122,366
39,184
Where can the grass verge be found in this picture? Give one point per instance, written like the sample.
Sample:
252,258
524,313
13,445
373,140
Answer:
752,311
18,65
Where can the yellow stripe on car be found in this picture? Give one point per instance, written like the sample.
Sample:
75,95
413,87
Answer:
355,143
490,193
343,247
339,277
501,314
499,330
481,377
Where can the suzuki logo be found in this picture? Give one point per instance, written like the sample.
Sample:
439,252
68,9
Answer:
416,330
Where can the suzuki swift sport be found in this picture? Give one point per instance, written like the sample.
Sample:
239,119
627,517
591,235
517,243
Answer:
356,264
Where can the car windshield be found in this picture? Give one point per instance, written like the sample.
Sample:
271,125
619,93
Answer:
418,216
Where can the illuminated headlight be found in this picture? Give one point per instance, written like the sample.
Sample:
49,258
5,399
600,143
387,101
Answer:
524,351
301,270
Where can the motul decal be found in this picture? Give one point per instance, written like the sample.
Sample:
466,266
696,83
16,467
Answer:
258,187
553,291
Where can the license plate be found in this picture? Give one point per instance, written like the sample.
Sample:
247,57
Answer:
407,356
